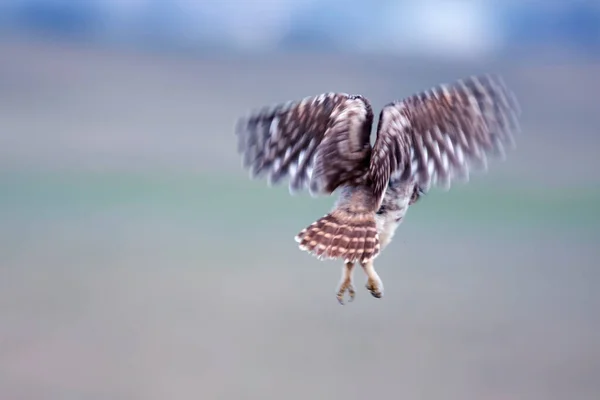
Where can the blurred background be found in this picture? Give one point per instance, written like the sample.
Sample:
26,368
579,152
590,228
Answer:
138,261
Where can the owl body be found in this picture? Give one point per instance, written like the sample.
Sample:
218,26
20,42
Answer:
399,196
322,143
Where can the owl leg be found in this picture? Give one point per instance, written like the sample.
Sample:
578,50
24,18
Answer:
346,283
374,283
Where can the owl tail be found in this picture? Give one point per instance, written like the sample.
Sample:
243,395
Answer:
342,234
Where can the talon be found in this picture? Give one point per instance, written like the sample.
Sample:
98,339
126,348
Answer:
351,293
346,287
376,288
374,284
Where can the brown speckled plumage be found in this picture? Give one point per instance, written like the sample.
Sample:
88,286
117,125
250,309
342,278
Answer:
322,143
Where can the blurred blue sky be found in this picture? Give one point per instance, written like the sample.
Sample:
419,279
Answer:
425,26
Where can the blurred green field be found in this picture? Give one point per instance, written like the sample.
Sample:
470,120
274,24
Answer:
219,200
138,261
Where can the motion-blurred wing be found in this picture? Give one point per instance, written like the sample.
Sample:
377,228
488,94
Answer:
320,142
438,135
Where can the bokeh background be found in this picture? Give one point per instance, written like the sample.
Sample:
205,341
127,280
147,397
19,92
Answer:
138,261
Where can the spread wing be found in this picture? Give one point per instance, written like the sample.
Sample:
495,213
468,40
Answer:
438,135
320,142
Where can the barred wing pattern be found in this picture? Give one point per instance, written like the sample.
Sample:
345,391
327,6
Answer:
320,142
439,135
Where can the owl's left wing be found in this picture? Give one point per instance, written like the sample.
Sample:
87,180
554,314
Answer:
438,135
319,142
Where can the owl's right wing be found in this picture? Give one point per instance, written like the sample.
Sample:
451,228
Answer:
319,142
440,134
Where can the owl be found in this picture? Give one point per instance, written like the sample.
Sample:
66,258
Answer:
322,144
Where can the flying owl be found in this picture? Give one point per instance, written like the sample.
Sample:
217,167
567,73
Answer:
322,144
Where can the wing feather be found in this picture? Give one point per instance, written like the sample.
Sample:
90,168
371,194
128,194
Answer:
441,134
320,142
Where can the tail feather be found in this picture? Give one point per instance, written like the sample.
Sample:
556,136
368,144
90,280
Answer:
342,234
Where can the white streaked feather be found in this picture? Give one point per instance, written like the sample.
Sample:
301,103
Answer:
434,177
430,166
445,162
436,147
397,174
460,155
414,166
309,171
301,157
449,143
276,165
288,153
274,131
499,149
425,153
293,170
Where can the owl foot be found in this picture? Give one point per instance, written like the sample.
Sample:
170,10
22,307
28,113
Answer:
345,286
374,284
375,287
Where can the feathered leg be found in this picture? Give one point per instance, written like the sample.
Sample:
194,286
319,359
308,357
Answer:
374,283
346,283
